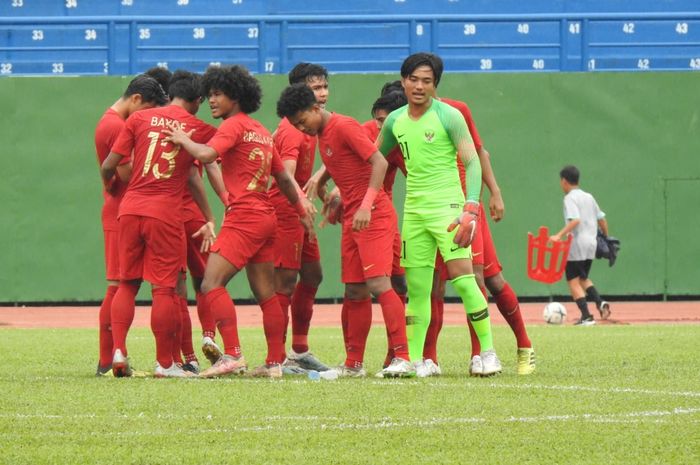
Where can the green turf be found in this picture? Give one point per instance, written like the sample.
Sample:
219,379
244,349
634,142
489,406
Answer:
601,395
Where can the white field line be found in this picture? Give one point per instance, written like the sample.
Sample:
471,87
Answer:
327,423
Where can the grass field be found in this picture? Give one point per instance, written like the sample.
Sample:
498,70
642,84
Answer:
601,395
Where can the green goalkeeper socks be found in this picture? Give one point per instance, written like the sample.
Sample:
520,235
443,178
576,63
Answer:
477,308
420,283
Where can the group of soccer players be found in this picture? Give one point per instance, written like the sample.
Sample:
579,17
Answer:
156,218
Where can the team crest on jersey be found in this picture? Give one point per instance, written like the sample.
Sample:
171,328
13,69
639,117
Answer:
329,152
429,136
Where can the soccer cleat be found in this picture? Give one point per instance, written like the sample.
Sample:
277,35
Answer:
348,372
604,310
192,367
271,370
585,321
226,365
104,372
173,371
120,365
476,368
526,360
400,368
306,360
490,364
422,370
433,367
211,350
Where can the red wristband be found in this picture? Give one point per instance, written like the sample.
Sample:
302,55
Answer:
368,200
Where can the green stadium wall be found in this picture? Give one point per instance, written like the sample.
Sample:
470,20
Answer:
635,137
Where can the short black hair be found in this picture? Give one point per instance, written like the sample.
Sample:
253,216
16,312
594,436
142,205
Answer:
392,86
295,98
416,60
304,71
148,88
389,102
571,174
160,74
237,83
185,85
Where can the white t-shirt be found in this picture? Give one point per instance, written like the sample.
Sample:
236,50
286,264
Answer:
580,205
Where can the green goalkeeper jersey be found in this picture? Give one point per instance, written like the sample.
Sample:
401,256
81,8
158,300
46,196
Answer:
429,148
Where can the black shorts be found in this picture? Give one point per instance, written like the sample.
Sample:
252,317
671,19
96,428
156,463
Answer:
578,269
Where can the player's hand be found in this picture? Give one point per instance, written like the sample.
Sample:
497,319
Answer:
111,185
332,210
308,223
467,222
555,238
309,207
311,186
208,236
361,219
176,135
496,207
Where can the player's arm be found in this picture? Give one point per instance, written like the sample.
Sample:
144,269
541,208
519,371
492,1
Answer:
289,187
603,225
109,169
496,205
570,226
363,215
216,180
201,152
124,170
196,187
314,188
386,140
456,127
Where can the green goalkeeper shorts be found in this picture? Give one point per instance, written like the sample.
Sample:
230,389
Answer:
423,234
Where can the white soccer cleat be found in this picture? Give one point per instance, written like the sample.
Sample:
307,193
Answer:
422,369
433,367
211,350
399,368
173,371
347,372
490,364
476,368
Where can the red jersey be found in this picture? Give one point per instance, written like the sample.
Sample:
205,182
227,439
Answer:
247,160
106,133
190,208
466,112
160,169
292,144
345,149
395,158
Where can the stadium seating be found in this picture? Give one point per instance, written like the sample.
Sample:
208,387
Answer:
83,37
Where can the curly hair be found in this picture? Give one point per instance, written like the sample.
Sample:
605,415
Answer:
295,98
416,60
302,72
236,83
185,85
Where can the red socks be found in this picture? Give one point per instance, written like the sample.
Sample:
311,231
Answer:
122,314
273,324
395,320
507,303
186,336
223,311
206,319
302,311
165,320
356,329
437,310
283,299
106,327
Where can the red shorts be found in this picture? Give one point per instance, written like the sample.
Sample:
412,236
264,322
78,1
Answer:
150,249
112,255
483,249
396,269
247,237
196,260
368,253
292,245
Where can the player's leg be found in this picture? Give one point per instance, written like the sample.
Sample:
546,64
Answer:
196,263
163,265
593,295
304,297
576,272
111,244
437,309
398,283
179,324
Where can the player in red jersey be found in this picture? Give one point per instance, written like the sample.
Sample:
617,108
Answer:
247,235
142,92
151,233
369,223
297,258
487,268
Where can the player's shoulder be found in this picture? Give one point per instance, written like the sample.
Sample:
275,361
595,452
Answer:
458,104
109,121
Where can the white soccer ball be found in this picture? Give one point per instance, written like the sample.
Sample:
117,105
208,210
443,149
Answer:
554,313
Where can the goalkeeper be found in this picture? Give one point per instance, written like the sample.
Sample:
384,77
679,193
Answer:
429,134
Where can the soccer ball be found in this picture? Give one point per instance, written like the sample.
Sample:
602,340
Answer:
554,313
